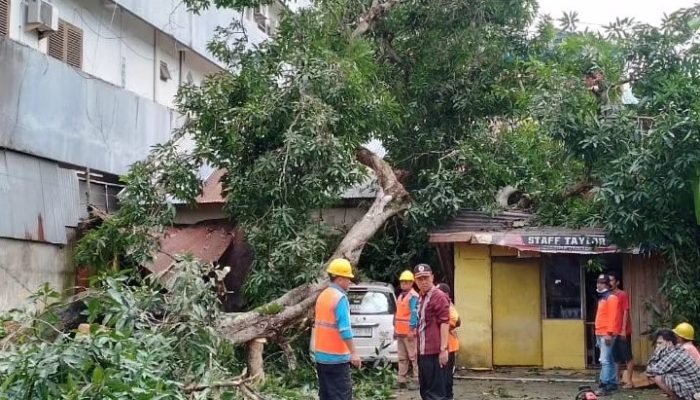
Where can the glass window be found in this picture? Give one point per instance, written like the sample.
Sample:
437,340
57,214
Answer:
370,302
562,285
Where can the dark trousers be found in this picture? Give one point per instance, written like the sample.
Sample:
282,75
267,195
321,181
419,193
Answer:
334,382
449,375
431,378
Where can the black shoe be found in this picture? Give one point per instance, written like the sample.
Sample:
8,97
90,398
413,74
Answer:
400,385
606,391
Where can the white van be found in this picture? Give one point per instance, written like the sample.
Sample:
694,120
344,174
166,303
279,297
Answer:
372,308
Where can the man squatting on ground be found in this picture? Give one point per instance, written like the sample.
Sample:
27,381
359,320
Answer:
673,369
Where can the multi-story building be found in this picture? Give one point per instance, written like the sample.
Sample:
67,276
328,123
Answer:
86,88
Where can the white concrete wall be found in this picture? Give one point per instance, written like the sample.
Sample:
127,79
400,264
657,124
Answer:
25,266
194,31
137,52
196,67
54,111
119,47
167,51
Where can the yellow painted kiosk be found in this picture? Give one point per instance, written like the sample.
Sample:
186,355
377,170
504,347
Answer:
526,295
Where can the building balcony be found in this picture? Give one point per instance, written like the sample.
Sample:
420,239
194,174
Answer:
51,110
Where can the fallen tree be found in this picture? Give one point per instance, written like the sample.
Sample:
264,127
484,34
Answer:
289,128
268,320
427,78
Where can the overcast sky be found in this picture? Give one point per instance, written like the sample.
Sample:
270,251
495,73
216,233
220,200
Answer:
601,12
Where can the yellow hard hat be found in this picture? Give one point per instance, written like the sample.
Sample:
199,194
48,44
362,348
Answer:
685,330
406,276
340,267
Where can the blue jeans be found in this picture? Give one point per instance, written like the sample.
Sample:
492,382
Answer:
608,367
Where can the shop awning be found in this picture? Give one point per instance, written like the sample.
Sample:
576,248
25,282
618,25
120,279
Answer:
513,230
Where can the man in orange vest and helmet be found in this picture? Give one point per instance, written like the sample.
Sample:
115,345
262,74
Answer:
405,323
334,350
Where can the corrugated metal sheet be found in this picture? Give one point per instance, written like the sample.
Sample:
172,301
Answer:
38,199
51,110
70,207
206,241
470,220
510,229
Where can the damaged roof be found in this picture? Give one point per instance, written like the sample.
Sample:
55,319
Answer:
206,241
515,230
471,220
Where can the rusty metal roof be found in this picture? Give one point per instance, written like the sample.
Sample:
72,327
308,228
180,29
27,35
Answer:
206,241
471,221
513,229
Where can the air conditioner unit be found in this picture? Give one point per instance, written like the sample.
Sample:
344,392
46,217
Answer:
42,16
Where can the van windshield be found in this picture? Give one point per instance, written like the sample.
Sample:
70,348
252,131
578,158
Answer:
371,302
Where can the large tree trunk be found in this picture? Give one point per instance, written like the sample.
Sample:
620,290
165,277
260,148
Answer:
269,320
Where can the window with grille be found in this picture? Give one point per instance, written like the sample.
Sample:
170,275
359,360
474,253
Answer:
4,17
66,44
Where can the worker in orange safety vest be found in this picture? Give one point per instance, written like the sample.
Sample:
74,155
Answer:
405,323
332,343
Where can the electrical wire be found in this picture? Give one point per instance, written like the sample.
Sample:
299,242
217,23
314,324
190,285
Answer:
120,37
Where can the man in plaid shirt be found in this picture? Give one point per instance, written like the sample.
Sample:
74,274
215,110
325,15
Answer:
672,369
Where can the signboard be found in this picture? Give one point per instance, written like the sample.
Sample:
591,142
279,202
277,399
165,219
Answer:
565,242
545,242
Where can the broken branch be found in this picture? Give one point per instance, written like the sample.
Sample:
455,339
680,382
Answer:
580,188
239,383
269,320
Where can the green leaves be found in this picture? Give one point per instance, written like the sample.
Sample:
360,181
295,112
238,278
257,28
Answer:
643,156
148,344
465,101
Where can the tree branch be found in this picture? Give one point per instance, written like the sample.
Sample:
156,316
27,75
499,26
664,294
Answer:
239,382
368,19
269,320
388,49
580,188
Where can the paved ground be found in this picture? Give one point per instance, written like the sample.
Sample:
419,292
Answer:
491,390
